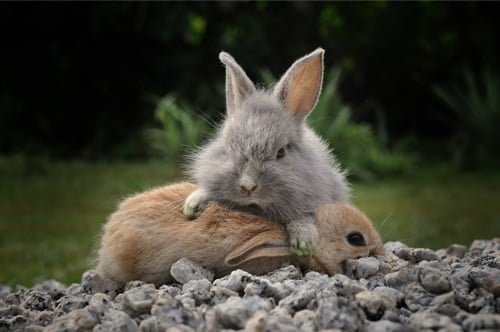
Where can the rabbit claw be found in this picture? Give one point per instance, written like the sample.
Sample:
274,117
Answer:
303,237
308,251
194,205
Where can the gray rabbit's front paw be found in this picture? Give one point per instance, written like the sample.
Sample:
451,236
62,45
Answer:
194,204
303,237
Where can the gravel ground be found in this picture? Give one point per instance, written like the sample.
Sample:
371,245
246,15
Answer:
411,289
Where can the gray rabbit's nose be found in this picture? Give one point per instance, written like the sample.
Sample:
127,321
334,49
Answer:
248,187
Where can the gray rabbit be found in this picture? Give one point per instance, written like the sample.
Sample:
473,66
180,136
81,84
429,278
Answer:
264,159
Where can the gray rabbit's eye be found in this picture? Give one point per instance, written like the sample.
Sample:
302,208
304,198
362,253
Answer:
356,239
281,153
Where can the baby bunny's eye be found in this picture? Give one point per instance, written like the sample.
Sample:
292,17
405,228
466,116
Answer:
281,153
356,239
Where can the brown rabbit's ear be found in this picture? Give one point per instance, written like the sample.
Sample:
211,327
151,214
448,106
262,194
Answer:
238,85
266,244
299,88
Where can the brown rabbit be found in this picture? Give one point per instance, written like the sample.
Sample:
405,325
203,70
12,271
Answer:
149,232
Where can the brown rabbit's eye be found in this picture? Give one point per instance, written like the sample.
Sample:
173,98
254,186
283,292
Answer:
281,153
356,239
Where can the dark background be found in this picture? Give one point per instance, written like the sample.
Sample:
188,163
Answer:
76,79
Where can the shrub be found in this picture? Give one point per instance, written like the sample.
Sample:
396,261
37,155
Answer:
475,107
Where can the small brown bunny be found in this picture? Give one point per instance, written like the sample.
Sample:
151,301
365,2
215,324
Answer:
149,232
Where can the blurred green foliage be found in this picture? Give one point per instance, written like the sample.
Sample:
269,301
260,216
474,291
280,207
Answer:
181,128
475,103
83,91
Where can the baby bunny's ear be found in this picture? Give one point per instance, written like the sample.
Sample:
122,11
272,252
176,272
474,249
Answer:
268,244
238,85
299,88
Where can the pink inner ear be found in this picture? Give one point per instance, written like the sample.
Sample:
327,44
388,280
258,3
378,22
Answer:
304,87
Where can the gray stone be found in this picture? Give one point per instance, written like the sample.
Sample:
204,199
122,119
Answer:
456,250
220,294
69,303
391,246
417,297
236,281
372,304
170,312
346,286
77,320
185,270
137,301
54,288
385,326
400,279
339,313
432,322
199,290
487,278
116,321
482,322
262,287
149,324
92,283
416,255
306,320
37,300
236,311
362,268
284,273
300,298
391,297
434,280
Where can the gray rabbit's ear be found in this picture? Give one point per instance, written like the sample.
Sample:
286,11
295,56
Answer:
238,85
268,244
299,88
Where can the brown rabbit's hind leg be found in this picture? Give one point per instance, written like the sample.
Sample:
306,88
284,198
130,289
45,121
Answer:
195,204
302,236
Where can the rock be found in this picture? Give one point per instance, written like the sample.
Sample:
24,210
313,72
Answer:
299,299
417,297
306,320
391,297
92,283
339,313
487,278
37,300
456,250
220,294
434,280
185,270
482,322
282,274
53,288
234,313
236,281
432,322
372,304
116,321
400,279
138,301
170,312
416,255
391,246
362,268
385,326
199,290
346,286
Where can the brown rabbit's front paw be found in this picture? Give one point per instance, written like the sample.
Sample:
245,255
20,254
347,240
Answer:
303,237
194,204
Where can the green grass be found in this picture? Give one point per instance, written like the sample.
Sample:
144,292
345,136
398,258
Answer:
51,213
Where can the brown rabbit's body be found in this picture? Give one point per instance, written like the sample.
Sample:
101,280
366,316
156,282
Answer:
149,232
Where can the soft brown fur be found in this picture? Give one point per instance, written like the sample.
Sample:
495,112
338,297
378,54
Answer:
148,233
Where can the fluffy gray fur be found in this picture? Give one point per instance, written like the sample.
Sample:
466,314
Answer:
242,166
